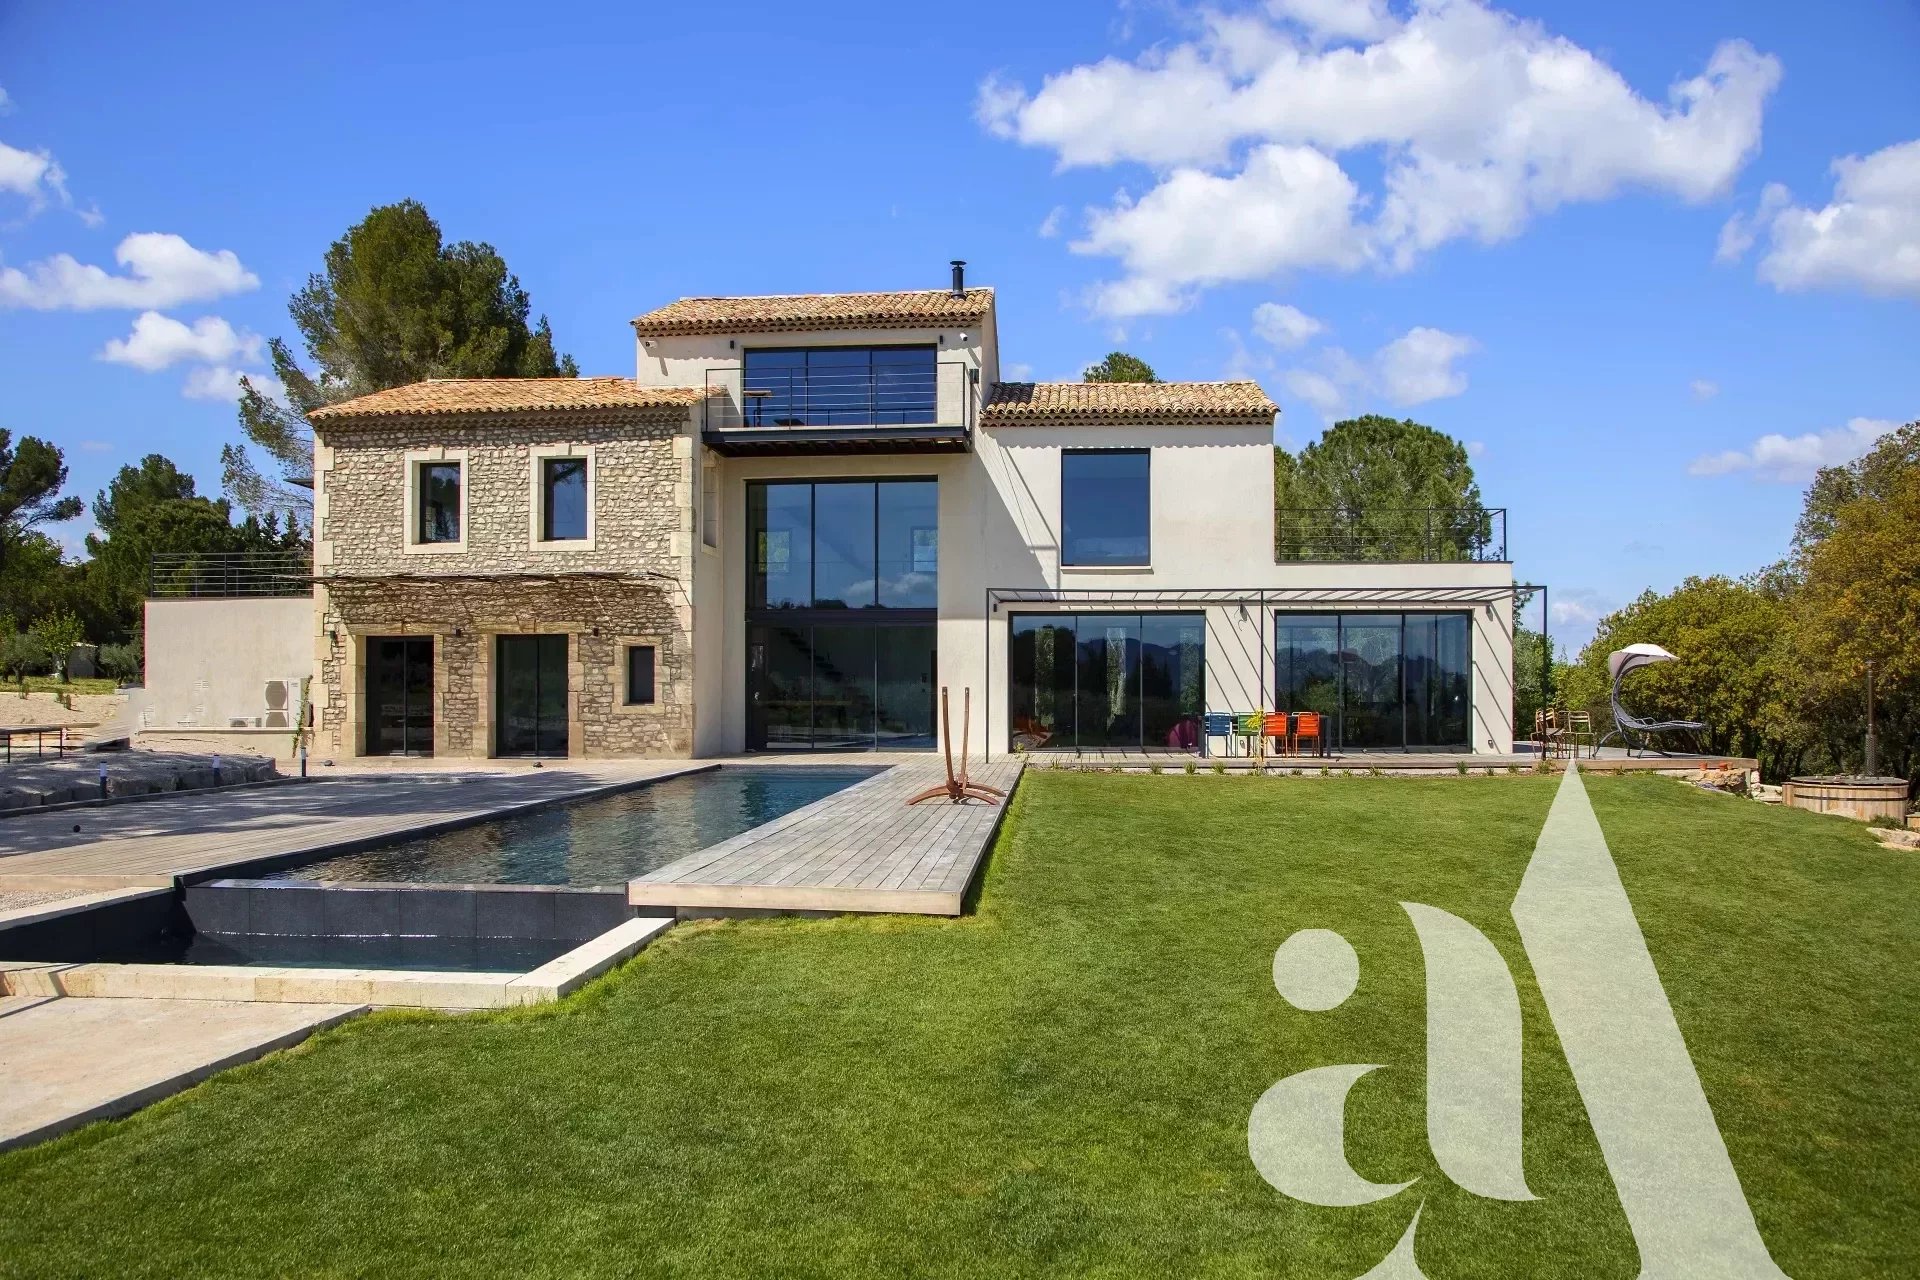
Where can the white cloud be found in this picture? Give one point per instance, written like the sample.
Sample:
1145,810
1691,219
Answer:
1794,459
1476,448
1289,208
1284,326
223,383
1478,120
161,271
1019,371
1578,607
1867,237
1414,368
1330,20
95,446
159,341
1317,389
1704,388
33,175
6,103
1050,225
1419,366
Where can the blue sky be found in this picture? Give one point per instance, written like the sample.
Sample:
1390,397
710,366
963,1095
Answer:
1497,221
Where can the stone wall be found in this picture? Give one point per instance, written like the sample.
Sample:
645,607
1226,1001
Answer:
629,585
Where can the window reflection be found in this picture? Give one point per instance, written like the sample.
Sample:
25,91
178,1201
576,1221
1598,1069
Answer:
1385,680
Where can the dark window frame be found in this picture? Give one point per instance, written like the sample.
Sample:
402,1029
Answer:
548,463
801,411
652,689
424,532
1067,559
758,610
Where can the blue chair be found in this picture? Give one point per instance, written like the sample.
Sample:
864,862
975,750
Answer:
1215,724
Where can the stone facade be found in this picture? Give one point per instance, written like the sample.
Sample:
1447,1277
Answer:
628,583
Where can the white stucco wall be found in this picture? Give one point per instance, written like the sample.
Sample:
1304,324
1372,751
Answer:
1212,529
209,661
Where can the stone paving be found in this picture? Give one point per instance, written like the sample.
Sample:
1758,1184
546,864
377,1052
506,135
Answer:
69,1062
30,781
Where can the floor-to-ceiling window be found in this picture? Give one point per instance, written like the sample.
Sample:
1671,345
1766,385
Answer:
399,689
530,695
1396,681
842,582
1107,680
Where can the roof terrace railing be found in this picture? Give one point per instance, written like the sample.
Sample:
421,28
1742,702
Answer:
1406,535
215,575
941,394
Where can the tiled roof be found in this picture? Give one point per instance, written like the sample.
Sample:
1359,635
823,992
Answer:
507,395
783,313
1040,403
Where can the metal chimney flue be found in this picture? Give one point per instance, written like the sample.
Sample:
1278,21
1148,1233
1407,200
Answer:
959,278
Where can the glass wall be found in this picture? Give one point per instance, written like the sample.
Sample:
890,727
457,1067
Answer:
1123,680
1395,681
839,386
843,580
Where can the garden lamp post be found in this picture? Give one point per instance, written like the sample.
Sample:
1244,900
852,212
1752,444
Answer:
1873,736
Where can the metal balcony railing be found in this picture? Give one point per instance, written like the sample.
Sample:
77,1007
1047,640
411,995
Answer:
213,575
1419,535
940,395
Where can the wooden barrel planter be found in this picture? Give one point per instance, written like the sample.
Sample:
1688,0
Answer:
1862,798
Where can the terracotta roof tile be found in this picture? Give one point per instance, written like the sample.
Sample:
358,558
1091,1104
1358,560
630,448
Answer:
783,313
507,395
1207,403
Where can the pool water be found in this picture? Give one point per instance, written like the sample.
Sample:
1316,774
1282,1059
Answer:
607,841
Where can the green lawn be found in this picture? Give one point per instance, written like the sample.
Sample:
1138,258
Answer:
50,684
1059,1084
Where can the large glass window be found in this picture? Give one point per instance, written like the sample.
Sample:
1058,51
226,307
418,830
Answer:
438,487
839,386
1105,511
563,499
843,686
530,695
1385,680
1126,680
855,544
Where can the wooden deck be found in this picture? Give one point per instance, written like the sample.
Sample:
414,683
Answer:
152,843
859,850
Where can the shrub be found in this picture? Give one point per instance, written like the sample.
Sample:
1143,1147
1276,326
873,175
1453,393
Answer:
1154,768
23,654
120,661
1218,767
1189,766
58,633
1461,765
1885,823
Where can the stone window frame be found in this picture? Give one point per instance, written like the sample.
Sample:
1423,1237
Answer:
412,460
537,458
660,704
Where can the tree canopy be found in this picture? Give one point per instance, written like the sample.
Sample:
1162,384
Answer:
1118,366
1376,488
32,474
393,304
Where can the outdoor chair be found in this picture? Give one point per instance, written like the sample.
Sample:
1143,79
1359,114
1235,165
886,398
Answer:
1622,662
1248,725
1275,729
1215,724
1579,733
1306,724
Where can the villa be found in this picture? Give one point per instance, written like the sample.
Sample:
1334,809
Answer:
800,519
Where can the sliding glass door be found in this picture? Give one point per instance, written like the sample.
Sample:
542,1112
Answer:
399,691
1387,681
1116,681
842,585
530,695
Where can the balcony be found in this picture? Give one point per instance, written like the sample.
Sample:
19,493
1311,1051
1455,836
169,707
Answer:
224,575
928,408
1392,535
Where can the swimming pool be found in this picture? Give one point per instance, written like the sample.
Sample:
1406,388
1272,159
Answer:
607,841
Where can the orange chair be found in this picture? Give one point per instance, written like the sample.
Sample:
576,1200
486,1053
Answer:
1306,724
1274,725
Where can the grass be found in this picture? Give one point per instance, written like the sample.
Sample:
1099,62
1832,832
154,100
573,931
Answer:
1060,1083
51,684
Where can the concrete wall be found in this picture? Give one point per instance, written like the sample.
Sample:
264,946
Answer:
209,661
